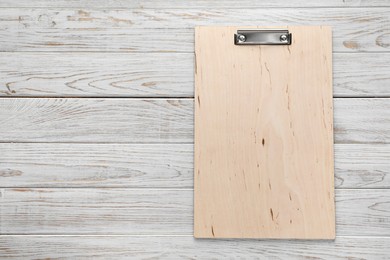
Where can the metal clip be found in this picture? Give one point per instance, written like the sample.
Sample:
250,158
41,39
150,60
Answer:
262,37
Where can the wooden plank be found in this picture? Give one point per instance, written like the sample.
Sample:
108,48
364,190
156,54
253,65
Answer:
350,118
96,165
96,74
179,247
360,75
155,165
264,133
130,30
96,120
156,74
155,211
156,120
362,166
115,4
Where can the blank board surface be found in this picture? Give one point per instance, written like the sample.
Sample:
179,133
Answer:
264,136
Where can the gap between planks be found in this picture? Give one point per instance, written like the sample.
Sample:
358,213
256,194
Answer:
155,97
103,97
157,235
113,8
151,51
144,188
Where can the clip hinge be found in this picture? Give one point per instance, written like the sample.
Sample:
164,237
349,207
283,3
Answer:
262,37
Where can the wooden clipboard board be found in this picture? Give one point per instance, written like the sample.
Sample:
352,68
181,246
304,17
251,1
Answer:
263,134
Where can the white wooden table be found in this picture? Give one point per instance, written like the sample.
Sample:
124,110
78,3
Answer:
96,127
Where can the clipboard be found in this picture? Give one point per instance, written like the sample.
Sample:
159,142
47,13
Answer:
264,164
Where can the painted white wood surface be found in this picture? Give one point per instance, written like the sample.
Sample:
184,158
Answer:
99,165
44,53
171,30
156,165
156,74
186,247
356,120
96,120
359,212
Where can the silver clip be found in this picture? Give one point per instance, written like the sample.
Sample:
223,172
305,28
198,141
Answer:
262,37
